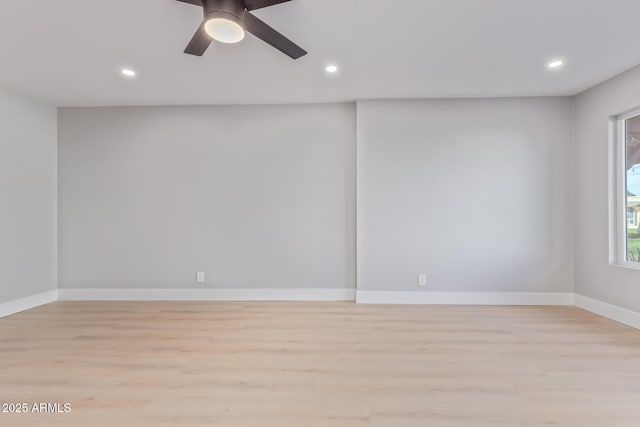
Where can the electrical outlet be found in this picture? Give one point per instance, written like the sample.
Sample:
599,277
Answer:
200,277
422,279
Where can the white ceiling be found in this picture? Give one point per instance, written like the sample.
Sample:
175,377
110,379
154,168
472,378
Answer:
69,52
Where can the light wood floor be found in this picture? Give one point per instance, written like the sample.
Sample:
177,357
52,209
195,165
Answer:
319,364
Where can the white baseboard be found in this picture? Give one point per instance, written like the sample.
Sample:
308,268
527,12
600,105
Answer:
206,294
465,298
22,304
610,311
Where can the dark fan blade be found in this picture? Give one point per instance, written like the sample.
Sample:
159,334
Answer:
272,37
259,4
199,43
194,2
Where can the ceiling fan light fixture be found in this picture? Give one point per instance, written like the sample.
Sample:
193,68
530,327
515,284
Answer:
227,21
224,30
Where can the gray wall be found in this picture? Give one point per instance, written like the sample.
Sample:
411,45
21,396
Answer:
594,277
27,197
476,194
256,197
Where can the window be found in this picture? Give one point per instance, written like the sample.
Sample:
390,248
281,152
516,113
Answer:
631,217
627,239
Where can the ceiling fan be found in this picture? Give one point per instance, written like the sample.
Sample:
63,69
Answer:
227,20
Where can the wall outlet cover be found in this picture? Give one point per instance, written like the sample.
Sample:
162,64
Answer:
422,280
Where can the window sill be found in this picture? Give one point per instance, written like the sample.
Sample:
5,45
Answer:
626,265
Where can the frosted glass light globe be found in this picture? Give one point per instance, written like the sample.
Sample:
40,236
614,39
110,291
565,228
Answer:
224,30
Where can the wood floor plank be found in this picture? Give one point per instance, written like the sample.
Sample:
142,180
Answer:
318,364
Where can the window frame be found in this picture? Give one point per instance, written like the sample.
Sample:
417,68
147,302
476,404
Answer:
618,209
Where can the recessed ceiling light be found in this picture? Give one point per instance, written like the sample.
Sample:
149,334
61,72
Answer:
128,72
555,64
331,69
